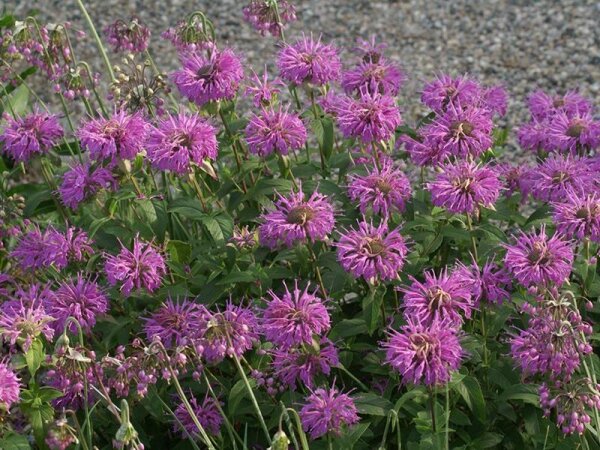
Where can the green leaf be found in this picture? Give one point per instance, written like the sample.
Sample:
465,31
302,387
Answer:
525,393
179,251
35,356
470,390
372,404
14,442
348,327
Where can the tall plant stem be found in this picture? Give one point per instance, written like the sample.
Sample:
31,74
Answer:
99,44
261,419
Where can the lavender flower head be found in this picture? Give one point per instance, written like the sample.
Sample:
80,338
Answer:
263,91
207,413
269,16
383,190
372,252
122,136
446,92
576,134
38,249
142,267
489,283
371,117
578,216
327,411
131,36
31,135
558,175
178,141
23,320
80,299
83,181
274,130
536,259
544,106
294,318
381,77
176,324
424,353
303,364
465,187
296,220
231,332
444,298
461,132
209,78
10,386
310,61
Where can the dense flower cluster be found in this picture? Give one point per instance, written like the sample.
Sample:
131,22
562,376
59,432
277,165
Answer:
206,250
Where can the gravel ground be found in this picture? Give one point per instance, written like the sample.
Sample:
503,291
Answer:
548,44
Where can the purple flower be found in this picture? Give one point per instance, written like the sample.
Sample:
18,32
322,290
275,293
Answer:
489,283
370,50
423,152
534,136
558,175
294,318
83,181
381,77
263,91
438,298
495,100
535,259
327,411
295,220
176,324
383,190
207,414
80,299
512,179
578,216
10,386
460,132
574,134
303,364
141,268
446,92
554,341
178,141
424,353
189,36
465,187
543,106
24,319
131,36
209,78
122,136
372,252
309,61
274,130
228,333
31,135
572,403
268,16
371,117
36,249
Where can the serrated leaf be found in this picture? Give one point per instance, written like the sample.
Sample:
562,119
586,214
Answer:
372,404
35,356
470,391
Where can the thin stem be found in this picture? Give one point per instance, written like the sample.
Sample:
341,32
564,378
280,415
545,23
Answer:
473,238
447,416
101,48
317,270
351,375
232,434
184,399
432,409
261,419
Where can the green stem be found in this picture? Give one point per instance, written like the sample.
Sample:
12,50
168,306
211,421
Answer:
252,397
447,416
351,375
99,44
230,430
